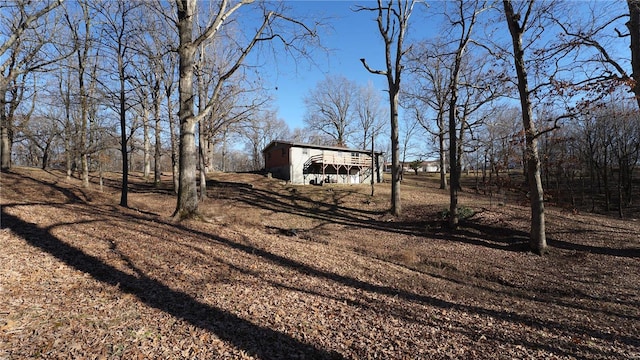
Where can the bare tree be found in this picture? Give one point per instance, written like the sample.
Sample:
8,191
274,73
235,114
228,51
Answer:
236,102
330,108
393,21
85,63
634,35
190,42
42,132
465,19
25,26
154,44
370,115
429,67
143,112
409,129
597,51
606,141
260,131
518,23
119,29
500,146
479,85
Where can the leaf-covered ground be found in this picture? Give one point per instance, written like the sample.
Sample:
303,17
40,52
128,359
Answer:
305,272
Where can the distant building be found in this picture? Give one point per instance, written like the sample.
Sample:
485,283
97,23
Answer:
424,166
316,164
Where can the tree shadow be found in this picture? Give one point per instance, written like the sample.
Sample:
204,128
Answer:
471,231
267,343
256,340
503,315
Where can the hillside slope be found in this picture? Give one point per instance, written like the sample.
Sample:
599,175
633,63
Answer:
284,272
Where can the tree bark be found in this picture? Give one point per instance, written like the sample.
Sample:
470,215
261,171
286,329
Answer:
393,33
396,167
146,147
187,204
202,155
5,135
157,157
634,31
537,237
172,135
442,157
454,174
124,191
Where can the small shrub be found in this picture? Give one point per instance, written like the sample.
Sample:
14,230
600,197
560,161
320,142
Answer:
464,212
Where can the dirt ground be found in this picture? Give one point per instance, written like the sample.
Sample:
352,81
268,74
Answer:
305,272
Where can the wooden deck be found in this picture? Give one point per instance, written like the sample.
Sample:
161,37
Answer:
342,159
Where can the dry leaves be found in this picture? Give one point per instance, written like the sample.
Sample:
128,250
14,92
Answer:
315,273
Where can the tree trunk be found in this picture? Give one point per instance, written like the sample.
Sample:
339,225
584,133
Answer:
68,154
45,154
187,188
187,204
202,142
202,152
5,134
223,151
454,169
5,145
84,158
174,143
620,185
146,147
443,157
157,157
124,190
634,31
454,175
537,239
100,174
396,167
373,166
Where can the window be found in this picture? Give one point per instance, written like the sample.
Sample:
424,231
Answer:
284,152
305,151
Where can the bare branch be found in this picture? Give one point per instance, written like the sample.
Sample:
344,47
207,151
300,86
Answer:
366,66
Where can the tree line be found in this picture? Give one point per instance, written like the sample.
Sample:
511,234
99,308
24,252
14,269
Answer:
540,87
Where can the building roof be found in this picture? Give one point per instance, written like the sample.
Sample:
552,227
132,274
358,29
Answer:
311,146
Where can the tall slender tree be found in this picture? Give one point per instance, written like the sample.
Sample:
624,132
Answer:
634,35
119,29
393,22
81,33
467,12
429,67
518,23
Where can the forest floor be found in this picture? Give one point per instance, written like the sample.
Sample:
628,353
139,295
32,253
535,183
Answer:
305,272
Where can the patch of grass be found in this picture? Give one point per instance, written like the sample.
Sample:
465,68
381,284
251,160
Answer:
464,212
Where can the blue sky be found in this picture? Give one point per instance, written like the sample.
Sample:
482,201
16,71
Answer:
349,36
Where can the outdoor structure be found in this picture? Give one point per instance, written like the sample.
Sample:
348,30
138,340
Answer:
316,164
423,166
